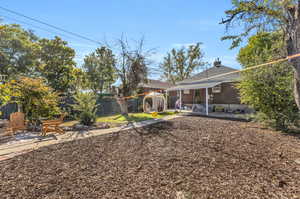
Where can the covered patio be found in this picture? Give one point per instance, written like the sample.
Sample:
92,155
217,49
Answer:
195,86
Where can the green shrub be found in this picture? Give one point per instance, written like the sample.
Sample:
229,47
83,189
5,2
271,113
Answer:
87,118
86,106
268,89
219,109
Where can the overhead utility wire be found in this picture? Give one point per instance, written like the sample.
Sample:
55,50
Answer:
254,67
29,24
52,26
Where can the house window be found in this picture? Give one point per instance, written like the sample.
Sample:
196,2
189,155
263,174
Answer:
186,92
216,89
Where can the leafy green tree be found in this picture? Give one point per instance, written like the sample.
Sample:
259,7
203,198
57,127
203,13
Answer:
268,89
181,64
57,65
100,67
269,15
86,106
18,50
34,97
82,81
5,94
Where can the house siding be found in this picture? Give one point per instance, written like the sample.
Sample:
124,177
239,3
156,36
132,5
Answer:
148,90
229,95
172,93
188,98
172,97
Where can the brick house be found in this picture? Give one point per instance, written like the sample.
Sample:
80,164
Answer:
209,90
154,86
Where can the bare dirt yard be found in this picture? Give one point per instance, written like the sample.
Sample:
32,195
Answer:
188,157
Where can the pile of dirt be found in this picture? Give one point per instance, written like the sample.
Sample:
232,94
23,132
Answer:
187,157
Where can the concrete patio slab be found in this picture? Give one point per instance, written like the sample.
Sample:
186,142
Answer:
230,116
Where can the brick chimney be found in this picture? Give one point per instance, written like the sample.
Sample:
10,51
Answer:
217,63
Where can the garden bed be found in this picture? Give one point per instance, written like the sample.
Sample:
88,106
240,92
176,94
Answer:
191,156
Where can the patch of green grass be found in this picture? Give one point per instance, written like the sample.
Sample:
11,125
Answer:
70,123
132,117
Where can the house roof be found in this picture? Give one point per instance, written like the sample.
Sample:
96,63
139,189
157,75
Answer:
212,72
207,84
151,83
208,78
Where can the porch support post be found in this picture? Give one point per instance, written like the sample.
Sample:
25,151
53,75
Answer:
206,100
167,100
180,97
194,96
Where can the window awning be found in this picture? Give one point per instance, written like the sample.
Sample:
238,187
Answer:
194,86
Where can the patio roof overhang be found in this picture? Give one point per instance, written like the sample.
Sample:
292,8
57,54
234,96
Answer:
194,86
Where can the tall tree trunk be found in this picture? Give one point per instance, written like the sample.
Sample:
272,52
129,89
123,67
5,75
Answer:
297,84
123,105
293,47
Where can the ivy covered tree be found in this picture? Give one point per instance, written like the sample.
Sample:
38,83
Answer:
180,64
100,68
269,15
268,89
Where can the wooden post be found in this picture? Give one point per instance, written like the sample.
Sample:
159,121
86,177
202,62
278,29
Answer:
206,100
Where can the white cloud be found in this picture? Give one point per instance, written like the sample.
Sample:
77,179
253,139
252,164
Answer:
180,45
157,57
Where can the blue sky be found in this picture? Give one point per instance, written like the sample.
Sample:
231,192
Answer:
164,23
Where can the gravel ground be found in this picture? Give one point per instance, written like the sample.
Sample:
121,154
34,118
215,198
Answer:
189,157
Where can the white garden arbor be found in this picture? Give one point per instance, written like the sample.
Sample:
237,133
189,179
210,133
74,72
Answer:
159,102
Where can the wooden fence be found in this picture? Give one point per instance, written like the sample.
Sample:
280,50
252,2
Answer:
106,106
110,106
